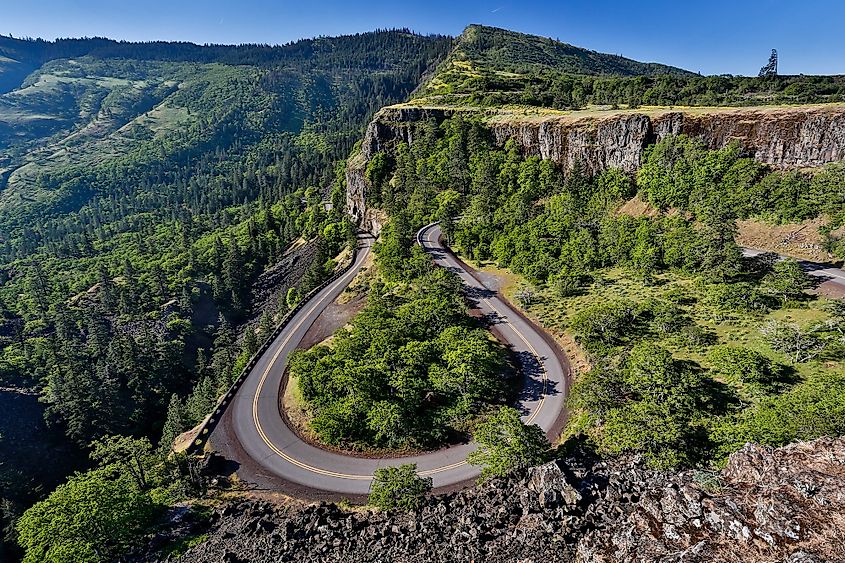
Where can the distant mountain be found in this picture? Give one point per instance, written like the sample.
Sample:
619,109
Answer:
82,106
374,51
492,67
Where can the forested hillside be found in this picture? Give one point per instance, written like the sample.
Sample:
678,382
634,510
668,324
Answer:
142,189
691,349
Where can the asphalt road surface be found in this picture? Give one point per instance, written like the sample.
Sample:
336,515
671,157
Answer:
274,449
822,271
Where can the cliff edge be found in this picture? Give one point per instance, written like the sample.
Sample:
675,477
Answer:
781,505
782,137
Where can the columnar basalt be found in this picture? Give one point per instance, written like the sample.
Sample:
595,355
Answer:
794,137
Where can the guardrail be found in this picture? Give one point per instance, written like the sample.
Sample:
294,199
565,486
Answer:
421,231
210,423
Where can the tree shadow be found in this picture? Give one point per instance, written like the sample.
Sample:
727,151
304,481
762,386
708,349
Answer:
534,386
719,398
783,377
478,293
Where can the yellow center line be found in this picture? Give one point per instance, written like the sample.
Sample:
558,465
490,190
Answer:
533,350
328,473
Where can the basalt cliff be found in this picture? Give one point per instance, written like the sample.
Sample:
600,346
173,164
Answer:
783,137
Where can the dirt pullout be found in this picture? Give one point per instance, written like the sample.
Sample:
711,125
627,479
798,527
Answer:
799,240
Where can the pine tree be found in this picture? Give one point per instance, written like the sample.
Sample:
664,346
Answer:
174,424
250,345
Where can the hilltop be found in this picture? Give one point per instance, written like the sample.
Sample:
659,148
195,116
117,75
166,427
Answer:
491,68
483,53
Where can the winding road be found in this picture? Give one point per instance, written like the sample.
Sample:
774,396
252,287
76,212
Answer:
271,448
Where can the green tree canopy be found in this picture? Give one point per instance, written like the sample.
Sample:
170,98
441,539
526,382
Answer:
506,444
93,517
398,487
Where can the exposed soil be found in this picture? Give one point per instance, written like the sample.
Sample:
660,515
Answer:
832,289
801,240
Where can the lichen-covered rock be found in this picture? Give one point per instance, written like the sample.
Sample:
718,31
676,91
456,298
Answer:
552,488
783,505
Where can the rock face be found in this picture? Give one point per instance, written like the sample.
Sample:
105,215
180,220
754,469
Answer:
766,505
273,284
806,136
781,505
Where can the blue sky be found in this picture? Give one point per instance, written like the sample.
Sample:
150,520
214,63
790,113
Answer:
712,37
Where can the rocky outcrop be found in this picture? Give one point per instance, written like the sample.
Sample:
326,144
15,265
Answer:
766,505
389,126
807,136
272,285
782,505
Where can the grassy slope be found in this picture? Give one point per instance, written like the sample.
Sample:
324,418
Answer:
90,111
742,330
510,51
507,55
80,113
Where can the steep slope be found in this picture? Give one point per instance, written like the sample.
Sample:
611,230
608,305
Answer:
492,67
484,57
101,112
509,51
12,72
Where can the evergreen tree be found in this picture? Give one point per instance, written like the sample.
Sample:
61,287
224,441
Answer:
174,424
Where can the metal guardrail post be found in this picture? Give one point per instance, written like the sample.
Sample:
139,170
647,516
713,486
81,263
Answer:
211,421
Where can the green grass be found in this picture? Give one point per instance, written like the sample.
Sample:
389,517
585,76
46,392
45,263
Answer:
741,330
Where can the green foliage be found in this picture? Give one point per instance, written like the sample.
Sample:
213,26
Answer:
174,424
132,243
721,185
742,366
132,456
93,517
182,545
651,405
494,67
812,409
787,280
506,444
398,487
98,515
604,322
740,297
410,370
558,232
668,172
568,283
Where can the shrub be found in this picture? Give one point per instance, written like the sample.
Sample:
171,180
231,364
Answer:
398,487
741,365
605,322
506,444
